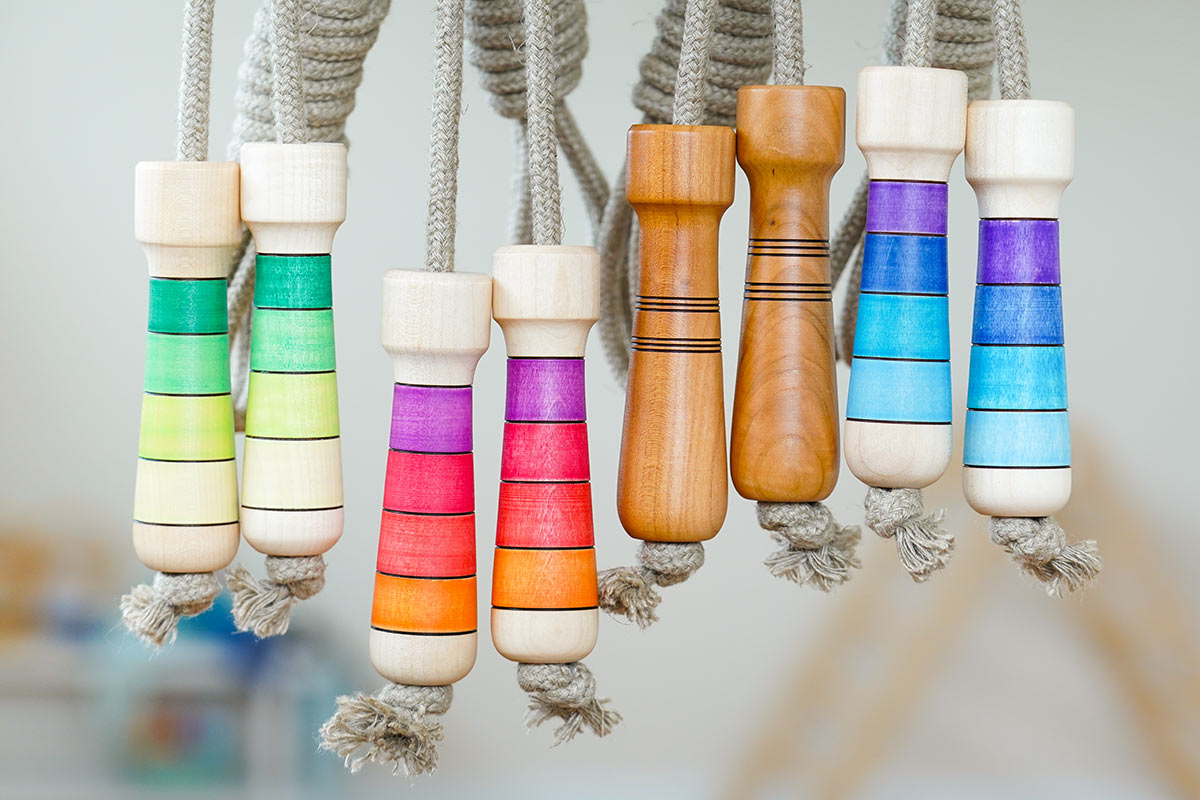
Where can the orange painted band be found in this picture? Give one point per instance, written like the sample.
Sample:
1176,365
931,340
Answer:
424,605
544,579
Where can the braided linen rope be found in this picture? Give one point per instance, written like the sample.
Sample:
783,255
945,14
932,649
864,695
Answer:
496,30
152,611
1038,544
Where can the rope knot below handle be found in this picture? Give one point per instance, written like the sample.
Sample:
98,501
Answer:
566,692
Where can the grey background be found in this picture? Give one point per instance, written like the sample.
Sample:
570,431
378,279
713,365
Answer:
1020,703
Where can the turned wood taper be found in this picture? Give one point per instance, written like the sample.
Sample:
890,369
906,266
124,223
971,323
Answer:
784,433
185,497
673,484
293,200
435,326
544,592
1020,156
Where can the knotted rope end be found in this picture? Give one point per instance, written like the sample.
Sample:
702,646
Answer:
922,544
813,549
630,591
566,692
152,612
393,726
1039,546
265,607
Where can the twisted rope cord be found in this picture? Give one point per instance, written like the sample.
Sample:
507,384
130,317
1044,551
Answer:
788,66
542,134
337,35
1038,545
195,80
699,21
1012,58
152,611
496,30
287,91
952,34
440,226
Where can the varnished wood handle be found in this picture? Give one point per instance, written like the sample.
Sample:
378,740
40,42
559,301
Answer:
784,437
1017,439
185,498
293,200
544,592
423,617
673,484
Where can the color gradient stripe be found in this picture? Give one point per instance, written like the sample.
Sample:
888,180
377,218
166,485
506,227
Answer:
186,473
292,397
545,557
425,569
900,370
1017,390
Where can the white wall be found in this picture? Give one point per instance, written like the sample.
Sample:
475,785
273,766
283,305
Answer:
89,89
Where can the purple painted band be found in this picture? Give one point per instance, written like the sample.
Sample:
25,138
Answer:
907,207
1018,251
431,419
545,390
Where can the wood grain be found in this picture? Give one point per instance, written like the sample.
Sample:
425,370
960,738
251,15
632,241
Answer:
672,485
784,433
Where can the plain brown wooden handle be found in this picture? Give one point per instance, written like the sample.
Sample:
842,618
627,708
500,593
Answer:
784,440
672,484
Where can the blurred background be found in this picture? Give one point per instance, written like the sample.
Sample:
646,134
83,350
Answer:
973,685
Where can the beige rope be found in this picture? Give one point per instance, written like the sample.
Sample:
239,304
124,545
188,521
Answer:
195,80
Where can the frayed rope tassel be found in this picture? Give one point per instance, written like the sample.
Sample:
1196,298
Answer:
629,591
153,612
395,726
1039,545
813,549
265,607
566,692
922,544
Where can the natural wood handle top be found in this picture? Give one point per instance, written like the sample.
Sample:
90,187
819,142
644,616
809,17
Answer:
672,484
784,439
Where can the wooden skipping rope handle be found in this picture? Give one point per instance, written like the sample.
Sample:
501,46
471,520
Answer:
185,501
1017,448
672,485
784,438
293,200
436,325
544,594
911,125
